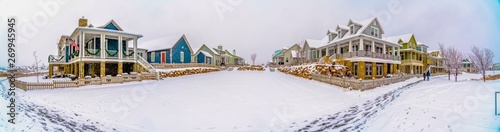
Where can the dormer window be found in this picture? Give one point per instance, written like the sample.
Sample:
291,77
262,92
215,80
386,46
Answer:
374,31
330,36
340,35
352,29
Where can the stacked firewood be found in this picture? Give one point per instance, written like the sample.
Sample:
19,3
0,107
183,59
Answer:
492,77
251,68
305,71
178,73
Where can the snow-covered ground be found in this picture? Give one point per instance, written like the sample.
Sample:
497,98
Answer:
180,69
442,105
258,101
219,101
40,78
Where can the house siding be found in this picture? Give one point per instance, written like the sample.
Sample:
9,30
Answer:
157,58
181,46
200,58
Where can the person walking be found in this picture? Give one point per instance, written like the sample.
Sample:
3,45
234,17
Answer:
428,75
424,76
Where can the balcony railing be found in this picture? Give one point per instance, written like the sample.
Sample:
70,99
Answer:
56,59
369,54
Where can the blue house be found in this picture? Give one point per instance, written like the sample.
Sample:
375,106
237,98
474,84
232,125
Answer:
172,49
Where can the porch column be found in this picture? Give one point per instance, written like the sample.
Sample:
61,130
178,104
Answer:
80,43
399,53
80,69
120,68
361,44
384,72
120,48
393,50
327,51
135,49
103,46
383,49
350,46
82,46
373,46
103,69
338,49
319,54
51,70
374,70
361,70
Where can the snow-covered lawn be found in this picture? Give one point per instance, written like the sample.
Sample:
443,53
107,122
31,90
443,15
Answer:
219,101
40,78
442,105
258,101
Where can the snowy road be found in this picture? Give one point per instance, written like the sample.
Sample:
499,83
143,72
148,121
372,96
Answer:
220,101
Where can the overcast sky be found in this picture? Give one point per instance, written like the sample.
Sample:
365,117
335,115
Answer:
252,26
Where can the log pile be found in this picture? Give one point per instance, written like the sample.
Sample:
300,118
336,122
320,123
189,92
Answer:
251,68
305,71
492,77
178,73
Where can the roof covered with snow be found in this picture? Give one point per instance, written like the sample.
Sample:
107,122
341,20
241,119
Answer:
206,53
394,39
160,43
317,43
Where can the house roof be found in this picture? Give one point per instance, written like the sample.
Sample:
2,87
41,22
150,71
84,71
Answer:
394,39
104,30
206,53
317,43
111,22
364,25
162,43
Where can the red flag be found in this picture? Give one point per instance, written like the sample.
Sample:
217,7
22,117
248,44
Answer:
74,44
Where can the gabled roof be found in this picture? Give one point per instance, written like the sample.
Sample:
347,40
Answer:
331,31
206,54
317,43
342,27
395,39
367,22
291,47
113,23
162,43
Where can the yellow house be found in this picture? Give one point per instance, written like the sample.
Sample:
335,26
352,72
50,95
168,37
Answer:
435,62
413,53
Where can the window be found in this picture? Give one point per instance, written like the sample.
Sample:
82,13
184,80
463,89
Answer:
314,54
182,56
340,35
152,56
355,71
352,29
374,31
330,37
286,59
379,69
368,69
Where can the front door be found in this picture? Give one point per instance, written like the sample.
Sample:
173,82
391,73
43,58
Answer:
163,57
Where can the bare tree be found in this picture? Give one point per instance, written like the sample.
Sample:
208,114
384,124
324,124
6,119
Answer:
481,60
455,59
452,58
253,56
446,59
36,65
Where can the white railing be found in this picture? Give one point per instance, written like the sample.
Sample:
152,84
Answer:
146,64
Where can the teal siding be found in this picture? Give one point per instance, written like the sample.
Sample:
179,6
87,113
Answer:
181,46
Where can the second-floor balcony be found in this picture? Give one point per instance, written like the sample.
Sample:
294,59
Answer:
368,54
